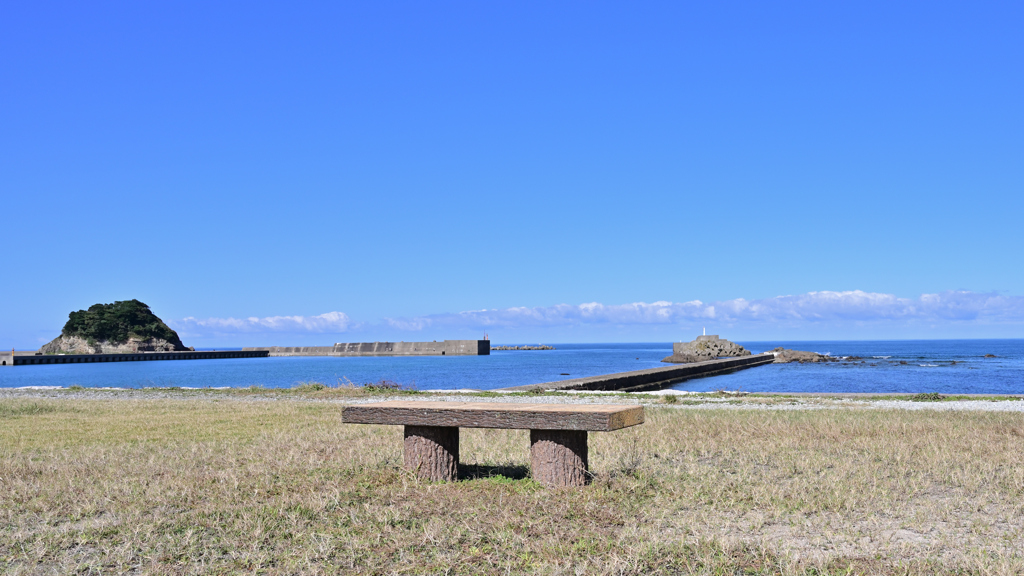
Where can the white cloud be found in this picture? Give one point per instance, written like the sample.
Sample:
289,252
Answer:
809,308
329,322
812,308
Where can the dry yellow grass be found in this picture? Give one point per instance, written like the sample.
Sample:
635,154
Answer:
222,485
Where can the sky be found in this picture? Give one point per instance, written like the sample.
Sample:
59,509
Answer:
318,172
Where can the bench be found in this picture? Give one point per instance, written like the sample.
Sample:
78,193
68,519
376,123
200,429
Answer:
558,433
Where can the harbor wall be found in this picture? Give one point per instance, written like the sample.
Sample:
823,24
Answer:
32,358
444,348
652,378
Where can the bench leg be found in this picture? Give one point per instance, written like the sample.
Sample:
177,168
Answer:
559,457
432,452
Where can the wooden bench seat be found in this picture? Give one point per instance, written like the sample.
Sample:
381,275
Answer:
558,432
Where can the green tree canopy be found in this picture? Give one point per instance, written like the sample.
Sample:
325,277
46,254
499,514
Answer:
118,322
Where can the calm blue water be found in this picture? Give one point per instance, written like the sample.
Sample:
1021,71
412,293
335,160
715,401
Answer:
929,368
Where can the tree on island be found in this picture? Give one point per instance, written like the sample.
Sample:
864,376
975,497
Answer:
124,326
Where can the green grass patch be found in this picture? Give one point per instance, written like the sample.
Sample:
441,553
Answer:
17,408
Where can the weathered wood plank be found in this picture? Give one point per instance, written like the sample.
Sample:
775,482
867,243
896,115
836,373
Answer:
592,417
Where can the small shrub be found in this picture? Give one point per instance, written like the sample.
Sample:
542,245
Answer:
630,459
670,399
927,397
309,387
385,385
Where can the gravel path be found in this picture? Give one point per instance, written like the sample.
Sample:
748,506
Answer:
682,401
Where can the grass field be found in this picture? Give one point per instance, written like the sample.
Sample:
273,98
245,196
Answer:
223,484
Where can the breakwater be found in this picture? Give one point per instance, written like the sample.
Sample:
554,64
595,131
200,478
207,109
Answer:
537,347
33,358
652,378
444,348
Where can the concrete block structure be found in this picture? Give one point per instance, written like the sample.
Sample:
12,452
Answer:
651,378
36,358
444,348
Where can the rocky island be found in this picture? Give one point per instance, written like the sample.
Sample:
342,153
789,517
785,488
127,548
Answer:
711,347
785,355
703,348
126,326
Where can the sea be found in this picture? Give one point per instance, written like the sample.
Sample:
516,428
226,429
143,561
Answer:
893,366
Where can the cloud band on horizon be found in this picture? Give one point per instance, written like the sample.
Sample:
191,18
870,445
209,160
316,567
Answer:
329,322
811,308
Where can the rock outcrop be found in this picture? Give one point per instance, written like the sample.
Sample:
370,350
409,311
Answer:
785,355
122,327
79,345
704,348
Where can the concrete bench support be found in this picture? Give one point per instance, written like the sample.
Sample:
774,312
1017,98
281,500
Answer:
559,457
558,433
432,452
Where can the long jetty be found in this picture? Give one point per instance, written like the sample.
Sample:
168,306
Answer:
652,378
32,358
444,348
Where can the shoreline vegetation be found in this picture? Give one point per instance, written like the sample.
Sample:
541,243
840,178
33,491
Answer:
174,481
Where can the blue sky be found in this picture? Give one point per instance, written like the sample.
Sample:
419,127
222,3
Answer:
319,172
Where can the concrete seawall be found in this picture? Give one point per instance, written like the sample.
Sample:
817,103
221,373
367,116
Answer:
31,358
652,378
445,348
